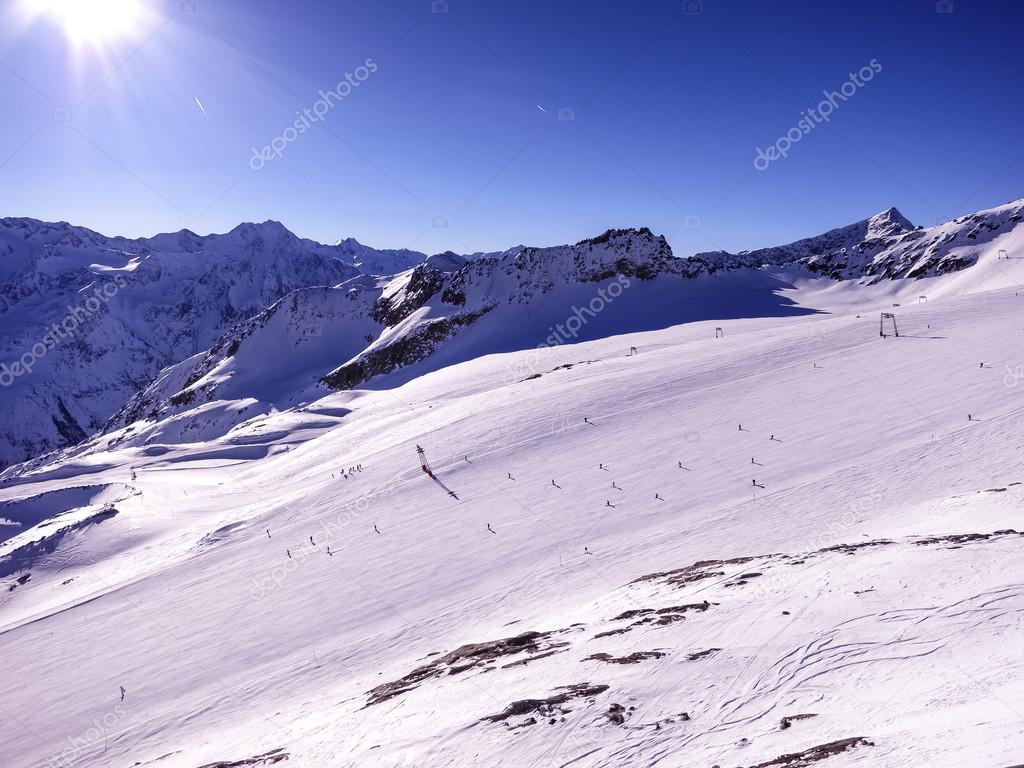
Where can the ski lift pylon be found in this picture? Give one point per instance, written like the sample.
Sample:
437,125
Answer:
881,324
423,461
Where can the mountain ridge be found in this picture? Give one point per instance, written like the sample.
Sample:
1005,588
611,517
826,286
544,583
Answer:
193,312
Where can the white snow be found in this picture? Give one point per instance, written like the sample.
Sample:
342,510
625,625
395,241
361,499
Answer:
228,649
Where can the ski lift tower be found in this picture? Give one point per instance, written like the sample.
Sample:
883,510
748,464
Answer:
423,462
881,324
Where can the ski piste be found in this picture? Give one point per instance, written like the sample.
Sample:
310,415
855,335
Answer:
366,617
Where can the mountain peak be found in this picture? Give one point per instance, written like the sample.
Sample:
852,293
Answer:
618,234
268,227
887,223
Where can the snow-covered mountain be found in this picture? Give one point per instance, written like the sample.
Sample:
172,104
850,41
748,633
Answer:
494,292
382,331
86,321
777,540
885,246
229,325
446,310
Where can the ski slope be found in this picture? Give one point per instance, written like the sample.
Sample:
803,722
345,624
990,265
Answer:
785,546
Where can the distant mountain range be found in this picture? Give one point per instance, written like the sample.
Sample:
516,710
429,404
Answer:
190,335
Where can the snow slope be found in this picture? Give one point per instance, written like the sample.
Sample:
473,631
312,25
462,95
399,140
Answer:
783,546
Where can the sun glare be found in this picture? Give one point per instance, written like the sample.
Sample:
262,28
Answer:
93,22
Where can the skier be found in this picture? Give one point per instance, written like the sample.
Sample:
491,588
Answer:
311,541
289,553
329,550
615,486
122,693
268,533
375,528
680,465
491,529
608,503
133,474
586,551
510,476
656,496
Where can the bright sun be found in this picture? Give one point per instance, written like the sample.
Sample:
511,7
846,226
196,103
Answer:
90,22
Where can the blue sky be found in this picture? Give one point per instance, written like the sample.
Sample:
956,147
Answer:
458,124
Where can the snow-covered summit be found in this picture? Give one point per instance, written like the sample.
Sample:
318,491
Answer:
886,224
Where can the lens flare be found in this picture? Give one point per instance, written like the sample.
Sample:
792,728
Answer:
93,23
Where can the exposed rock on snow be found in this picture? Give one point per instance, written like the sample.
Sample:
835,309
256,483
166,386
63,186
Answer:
468,657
